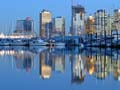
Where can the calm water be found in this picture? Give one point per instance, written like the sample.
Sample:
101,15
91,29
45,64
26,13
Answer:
40,68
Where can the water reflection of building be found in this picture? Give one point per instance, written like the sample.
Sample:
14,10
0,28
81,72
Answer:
78,69
45,69
23,60
90,64
58,62
115,68
101,67
51,62
99,64
7,52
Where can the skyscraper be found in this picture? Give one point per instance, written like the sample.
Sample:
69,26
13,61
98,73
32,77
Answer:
78,20
117,19
110,24
90,25
58,27
117,14
45,18
24,26
48,30
101,21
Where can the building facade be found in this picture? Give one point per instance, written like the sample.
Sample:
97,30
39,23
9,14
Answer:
48,30
110,24
90,25
58,27
101,21
117,19
45,19
78,20
24,26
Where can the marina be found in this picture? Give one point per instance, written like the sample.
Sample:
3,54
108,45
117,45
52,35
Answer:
60,45
95,40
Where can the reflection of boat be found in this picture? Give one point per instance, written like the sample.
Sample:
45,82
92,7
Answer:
32,49
81,45
60,45
37,49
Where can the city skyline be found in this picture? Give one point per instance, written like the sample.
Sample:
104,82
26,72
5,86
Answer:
60,44
33,9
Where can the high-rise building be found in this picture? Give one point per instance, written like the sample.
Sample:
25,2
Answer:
48,30
24,26
58,27
78,20
90,25
101,21
117,19
45,19
117,14
110,24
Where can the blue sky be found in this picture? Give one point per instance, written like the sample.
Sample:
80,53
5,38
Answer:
11,10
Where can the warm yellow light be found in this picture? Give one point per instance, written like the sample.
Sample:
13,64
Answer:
91,70
46,72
